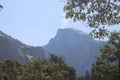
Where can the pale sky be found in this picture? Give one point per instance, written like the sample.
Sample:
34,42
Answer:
35,22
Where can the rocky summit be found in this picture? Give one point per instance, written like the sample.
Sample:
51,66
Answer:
77,47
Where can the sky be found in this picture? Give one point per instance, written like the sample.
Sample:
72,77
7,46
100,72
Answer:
35,22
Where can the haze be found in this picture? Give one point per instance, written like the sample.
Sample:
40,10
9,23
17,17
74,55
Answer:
35,22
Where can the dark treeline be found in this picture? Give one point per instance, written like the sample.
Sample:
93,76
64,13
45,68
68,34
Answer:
37,69
53,68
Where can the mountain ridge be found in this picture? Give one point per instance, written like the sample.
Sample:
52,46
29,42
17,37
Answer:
13,48
78,48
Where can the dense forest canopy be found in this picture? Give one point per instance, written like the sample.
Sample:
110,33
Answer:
37,69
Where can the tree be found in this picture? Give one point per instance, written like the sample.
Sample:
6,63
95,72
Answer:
10,70
87,75
81,78
34,70
37,69
97,14
60,70
52,69
55,59
107,65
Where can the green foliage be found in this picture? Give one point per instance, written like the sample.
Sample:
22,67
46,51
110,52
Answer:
33,70
97,13
60,70
55,59
107,65
9,69
37,69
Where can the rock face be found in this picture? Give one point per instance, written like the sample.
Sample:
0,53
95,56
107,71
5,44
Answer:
78,48
12,48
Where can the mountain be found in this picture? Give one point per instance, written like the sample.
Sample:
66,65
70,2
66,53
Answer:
77,47
12,48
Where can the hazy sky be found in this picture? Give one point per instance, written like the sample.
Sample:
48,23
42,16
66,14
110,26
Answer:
34,22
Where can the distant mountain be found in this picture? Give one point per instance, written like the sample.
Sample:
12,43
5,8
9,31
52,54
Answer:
12,48
78,48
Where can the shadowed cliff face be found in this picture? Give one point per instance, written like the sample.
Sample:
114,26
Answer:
78,48
12,48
